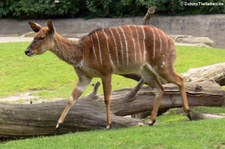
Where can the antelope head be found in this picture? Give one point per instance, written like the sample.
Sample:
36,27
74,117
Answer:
43,39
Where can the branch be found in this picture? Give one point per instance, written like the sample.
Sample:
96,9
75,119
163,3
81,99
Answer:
94,95
149,14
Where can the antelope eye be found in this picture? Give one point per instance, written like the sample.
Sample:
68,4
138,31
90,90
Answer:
39,38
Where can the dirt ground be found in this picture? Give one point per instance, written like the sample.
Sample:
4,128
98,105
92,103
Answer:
15,39
21,39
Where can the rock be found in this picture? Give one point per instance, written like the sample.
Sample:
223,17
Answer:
194,40
193,45
188,40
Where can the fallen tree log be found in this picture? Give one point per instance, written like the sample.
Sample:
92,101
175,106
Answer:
215,73
201,116
25,120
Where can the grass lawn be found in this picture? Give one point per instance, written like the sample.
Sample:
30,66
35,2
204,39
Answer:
53,78
182,135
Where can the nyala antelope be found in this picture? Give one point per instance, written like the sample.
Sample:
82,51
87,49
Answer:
116,50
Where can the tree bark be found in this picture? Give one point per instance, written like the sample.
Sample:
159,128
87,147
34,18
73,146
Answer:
25,120
215,73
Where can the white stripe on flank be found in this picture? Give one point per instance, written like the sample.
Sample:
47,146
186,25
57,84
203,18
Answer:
107,43
99,48
121,44
139,47
124,36
134,44
92,43
114,40
145,52
153,56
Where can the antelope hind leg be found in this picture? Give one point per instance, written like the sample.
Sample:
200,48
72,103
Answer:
152,80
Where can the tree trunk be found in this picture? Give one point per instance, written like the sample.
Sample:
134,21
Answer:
25,120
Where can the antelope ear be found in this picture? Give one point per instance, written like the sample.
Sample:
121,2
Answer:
36,27
51,27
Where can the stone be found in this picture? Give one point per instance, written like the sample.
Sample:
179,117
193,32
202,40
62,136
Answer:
194,40
187,40
193,45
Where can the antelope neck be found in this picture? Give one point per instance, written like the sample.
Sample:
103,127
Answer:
68,51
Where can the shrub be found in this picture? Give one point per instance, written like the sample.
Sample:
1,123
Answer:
24,9
39,8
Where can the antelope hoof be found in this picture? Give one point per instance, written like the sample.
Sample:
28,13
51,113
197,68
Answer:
151,123
57,129
189,115
108,127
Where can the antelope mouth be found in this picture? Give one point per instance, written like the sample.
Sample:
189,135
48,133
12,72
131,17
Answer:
31,54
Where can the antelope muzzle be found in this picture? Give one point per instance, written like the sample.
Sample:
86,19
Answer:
29,52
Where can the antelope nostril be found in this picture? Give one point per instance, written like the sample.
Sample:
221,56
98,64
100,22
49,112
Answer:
27,51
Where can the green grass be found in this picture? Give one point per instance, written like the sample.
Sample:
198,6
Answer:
53,78
182,135
193,57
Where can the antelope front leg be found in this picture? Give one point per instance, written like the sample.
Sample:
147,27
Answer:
106,81
82,83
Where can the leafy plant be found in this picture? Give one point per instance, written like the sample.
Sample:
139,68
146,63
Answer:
23,9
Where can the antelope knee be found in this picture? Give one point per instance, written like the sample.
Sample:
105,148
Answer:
71,101
158,92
